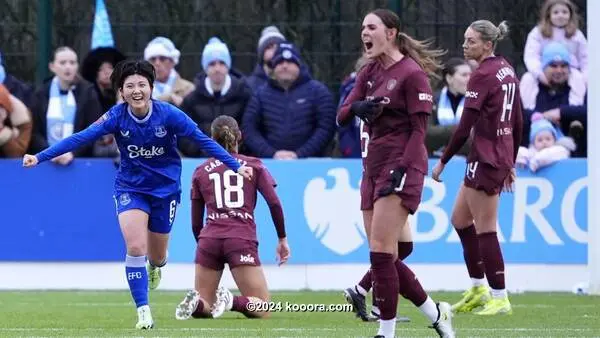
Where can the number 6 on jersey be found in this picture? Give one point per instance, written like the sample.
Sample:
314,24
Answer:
226,188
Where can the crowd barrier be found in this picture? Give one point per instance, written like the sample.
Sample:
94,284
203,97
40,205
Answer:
67,214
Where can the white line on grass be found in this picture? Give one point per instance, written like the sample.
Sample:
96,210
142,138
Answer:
230,329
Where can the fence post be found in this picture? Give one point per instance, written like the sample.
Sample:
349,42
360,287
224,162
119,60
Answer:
44,32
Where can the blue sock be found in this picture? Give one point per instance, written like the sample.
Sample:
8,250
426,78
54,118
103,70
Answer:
137,277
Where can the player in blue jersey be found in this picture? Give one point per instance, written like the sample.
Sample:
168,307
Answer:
147,185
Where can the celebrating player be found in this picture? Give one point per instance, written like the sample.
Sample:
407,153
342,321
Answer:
493,110
392,94
229,235
147,186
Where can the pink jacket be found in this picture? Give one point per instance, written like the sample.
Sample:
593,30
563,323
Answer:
577,46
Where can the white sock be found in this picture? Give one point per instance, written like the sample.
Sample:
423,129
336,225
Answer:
360,290
387,328
498,293
478,281
430,310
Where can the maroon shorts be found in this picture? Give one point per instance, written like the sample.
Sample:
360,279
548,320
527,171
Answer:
482,176
410,194
213,253
366,193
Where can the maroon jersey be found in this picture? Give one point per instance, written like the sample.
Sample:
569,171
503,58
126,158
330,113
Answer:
364,142
230,199
493,109
396,136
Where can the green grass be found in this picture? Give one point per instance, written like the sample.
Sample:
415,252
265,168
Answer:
111,314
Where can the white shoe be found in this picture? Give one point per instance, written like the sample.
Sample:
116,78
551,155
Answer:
224,302
145,321
443,326
187,306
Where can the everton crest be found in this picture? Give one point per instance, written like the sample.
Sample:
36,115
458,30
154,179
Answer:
160,131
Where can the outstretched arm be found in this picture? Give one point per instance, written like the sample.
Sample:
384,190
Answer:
186,127
104,125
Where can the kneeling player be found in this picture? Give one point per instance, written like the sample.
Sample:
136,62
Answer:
230,232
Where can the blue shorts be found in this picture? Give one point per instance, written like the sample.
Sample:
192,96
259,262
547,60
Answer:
161,211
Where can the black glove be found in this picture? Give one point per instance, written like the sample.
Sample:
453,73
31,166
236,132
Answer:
397,182
366,110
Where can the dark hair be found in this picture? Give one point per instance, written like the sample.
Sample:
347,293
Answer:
61,49
127,68
545,25
420,51
451,65
225,130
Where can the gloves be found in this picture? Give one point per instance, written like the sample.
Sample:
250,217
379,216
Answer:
397,182
366,110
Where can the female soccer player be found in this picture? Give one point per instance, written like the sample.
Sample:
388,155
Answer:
147,186
392,94
229,235
493,109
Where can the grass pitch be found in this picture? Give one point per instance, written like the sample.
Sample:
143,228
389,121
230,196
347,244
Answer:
112,314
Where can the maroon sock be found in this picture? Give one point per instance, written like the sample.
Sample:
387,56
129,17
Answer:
410,287
471,251
367,281
240,304
404,250
386,283
198,313
492,259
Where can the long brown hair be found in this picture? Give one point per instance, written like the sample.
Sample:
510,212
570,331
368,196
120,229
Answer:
545,25
226,132
419,50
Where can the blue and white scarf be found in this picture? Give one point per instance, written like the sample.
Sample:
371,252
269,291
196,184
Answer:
60,115
445,114
161,88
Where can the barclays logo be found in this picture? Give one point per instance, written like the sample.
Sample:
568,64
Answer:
341,232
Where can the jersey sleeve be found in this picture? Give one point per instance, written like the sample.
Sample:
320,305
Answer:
198,204
184,126
418,93
266,186
358,92
106,124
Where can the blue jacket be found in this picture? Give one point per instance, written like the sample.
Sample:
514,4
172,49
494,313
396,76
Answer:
349,135
257,79
300,119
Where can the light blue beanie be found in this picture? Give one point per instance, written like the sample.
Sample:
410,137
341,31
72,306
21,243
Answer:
215,49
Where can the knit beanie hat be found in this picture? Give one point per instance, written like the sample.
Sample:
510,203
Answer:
268,36
215,49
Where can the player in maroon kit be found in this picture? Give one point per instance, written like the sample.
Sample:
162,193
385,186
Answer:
392,94
493,112
229,235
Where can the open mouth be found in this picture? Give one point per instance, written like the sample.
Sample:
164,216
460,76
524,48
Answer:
368,45
137,98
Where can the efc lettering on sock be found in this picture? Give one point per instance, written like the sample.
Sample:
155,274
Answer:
134,275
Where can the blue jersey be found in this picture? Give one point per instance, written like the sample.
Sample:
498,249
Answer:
150,163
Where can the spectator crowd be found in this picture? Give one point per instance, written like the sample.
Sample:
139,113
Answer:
284,112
